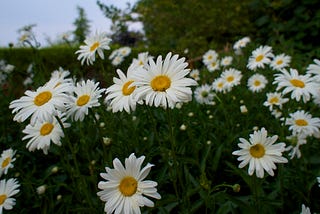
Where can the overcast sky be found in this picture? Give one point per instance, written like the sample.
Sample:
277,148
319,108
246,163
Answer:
52,17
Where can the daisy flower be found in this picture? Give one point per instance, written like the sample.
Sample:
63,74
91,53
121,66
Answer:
86,95
257,82
209,57
231,78
218,85
43,132
275,99
61,75
305,209
96,43
213,66
314,69
142,59
226,61
42,103
299,85
203,94
280,61
241,43
6,160
117,60
163,83
125,190
295,142
261,153
195,74
302,123
260,57
318,179
122,93
8,188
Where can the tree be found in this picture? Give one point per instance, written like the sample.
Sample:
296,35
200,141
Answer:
82,26
120,18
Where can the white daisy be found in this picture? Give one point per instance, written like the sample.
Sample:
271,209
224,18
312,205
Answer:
299,85
125,188
218,85
209,57
295,142
203,94
195,74
257,82
241,43
314,69
86,95
213,66
302,123
261,153
231,78
122,94
8,188
275,99
280,61
43,132
6,160
61,75
226,61
117,60
142,59
260,57
318,179
42,103
164,82
124,51
96,43
305,209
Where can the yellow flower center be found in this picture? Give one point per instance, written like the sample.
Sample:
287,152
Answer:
279,62
257,151
126,90
42,98
220,85
230,78
94,46
46,129
6,162
274,100
160,83
3,198
82,100
257,83
210,57
128,186
213,64
301,122
259,58
204,93
297,83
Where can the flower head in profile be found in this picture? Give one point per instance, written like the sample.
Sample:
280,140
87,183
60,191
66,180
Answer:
241,43
164,82
280,61
295,142
86,95
314,69
300,86
195,74
302,123
261,153
6,160
44,132
96,43
274,99
257,82
305,209
125,189
8,188
122,93
42,103
260,57
142,59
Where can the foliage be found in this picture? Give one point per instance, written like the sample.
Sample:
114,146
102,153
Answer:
120,18
82,26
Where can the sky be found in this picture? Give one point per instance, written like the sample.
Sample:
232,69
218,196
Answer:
52,17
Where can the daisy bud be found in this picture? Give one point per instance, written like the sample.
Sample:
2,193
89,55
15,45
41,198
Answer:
54,170
243,109
236,187
183,127
41,189
190,114
102,124
59,197
106,141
